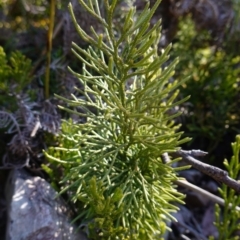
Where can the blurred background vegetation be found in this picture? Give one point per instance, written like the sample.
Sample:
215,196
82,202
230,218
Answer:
205,36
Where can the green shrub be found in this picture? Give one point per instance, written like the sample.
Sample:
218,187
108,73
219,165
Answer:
213,85
14,77
115,156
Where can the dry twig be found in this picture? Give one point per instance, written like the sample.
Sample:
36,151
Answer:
214,172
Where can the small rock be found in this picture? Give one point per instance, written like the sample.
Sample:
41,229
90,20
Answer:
35,212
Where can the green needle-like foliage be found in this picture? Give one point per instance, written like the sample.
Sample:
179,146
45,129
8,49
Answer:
17,67
126,100
228,222
14,70
15,76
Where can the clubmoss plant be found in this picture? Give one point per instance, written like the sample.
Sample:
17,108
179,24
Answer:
227,222
126,101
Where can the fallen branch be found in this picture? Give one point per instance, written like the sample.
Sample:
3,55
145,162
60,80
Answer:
214,172
196,163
